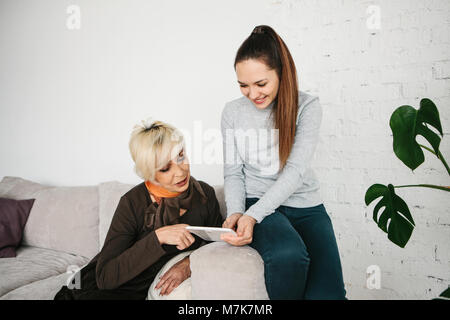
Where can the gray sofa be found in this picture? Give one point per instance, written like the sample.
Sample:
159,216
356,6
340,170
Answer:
67,227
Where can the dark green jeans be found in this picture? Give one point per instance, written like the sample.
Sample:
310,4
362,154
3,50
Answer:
300,254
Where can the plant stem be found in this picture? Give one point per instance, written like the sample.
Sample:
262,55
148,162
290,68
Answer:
445,163
426,148
445,188
440,157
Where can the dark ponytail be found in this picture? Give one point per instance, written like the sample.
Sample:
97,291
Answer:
265,44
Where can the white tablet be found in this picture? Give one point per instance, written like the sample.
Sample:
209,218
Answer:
210,233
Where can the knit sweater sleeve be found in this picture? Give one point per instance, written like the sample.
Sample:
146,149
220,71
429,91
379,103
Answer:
291,176
234,183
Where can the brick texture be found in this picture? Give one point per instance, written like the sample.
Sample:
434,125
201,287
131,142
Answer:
361,76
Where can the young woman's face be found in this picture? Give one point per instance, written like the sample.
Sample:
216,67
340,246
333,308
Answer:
177,170
257,82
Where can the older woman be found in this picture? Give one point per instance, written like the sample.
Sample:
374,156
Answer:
149,225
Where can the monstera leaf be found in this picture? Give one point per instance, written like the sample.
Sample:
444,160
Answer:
445,294
406,123
395,220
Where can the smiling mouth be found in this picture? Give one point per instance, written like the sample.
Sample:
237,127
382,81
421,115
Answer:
260,100
182,182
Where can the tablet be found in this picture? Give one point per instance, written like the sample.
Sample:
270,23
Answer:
209,233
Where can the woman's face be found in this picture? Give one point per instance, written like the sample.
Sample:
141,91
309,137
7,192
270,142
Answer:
177,170
257,82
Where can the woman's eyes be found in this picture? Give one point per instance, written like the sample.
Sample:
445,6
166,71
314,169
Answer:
259,85
180,158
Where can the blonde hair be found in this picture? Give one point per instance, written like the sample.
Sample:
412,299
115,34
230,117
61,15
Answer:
152,145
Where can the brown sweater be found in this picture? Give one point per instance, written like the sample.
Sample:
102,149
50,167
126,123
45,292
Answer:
132,255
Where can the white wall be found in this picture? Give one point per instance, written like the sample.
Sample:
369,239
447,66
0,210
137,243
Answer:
69,98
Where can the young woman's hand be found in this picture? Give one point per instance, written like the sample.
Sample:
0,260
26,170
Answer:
176,234
231,221
179,272
244,232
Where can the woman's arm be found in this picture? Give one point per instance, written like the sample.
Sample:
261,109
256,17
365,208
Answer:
299,160
181,270
122,257
234,186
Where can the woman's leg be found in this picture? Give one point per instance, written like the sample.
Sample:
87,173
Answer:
325,280
284,254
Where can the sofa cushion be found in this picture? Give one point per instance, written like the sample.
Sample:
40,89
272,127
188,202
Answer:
18,187
221,199
220,271
109,194
62,218
13,216
33,264
45,289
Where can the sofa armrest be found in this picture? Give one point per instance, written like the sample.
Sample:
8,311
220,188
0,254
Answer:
220,271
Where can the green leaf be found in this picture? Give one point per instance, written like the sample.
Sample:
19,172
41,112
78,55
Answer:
445,294
395,219
406,123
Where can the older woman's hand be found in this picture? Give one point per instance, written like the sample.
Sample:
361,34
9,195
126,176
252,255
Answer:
179,272
244,232
176,234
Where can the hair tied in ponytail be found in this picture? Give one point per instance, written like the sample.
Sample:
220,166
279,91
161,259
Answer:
258,30
266,46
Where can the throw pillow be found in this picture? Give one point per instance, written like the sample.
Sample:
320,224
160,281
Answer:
13,217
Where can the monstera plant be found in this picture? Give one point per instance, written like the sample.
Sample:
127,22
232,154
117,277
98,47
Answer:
406,124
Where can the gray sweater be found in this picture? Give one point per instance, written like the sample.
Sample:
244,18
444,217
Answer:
251,161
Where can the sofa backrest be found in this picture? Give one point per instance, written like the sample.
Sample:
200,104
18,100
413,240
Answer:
220,195
62,218
109,196
71,219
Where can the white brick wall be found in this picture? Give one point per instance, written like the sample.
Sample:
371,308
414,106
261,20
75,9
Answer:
361,77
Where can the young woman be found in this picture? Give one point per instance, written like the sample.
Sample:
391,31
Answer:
274,202
148,226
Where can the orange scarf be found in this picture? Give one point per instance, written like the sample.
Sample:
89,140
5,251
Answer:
159,192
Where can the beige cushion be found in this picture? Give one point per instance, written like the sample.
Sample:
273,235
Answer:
62,218
220,271
220,195
34,264
109,194
45,289
18,188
